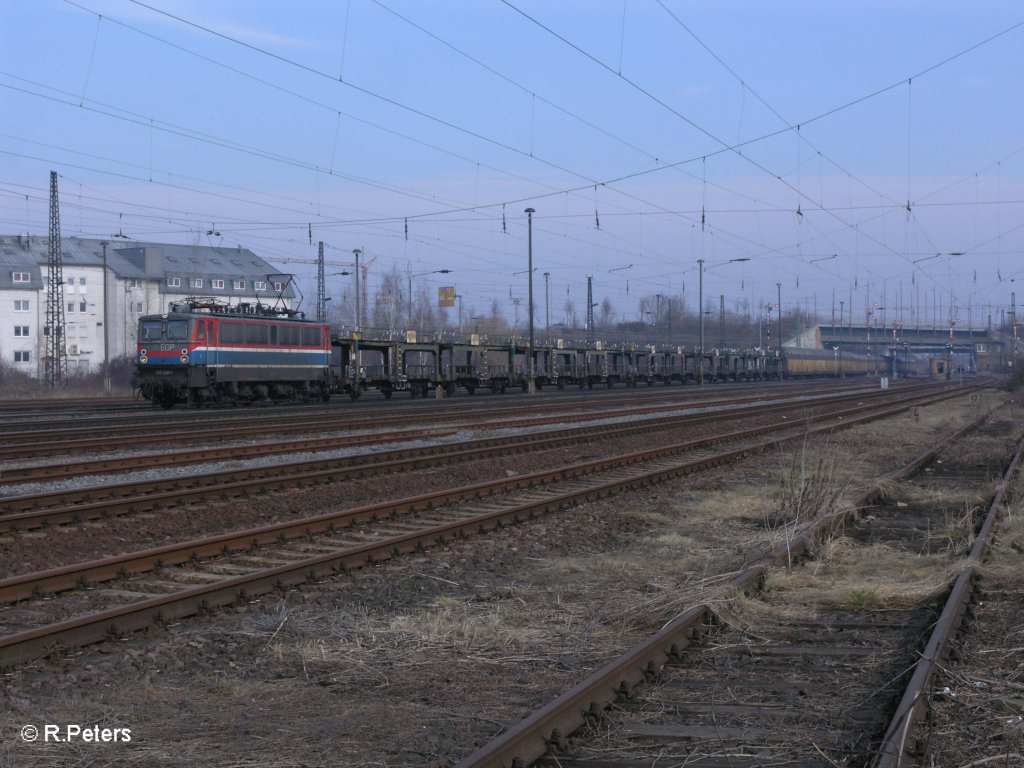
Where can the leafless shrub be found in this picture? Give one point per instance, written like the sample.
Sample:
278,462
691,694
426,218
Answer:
810,486
958,532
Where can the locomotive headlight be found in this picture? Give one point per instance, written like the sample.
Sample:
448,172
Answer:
143,359
184,358
184,352
143,352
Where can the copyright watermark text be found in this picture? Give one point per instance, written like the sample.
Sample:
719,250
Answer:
74,732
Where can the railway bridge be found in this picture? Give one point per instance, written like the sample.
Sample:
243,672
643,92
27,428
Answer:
911,349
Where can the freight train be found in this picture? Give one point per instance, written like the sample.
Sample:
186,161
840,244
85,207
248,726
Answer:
202,352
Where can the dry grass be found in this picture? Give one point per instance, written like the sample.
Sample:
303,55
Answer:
849,576
438,656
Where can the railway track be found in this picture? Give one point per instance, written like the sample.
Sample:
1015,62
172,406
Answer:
783,684
528,416
25,512
35,438
219,570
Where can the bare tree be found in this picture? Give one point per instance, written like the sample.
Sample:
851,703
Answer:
572,320
389,303
607,315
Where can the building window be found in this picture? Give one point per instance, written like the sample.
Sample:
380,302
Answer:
138,307
239,285
135,283
21,330
71,306
21,305
195,282
278,287
81,307
22,357
81,285
174,282
20,277
218,284
259,285
72,349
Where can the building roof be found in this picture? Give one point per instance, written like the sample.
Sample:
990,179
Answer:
130,259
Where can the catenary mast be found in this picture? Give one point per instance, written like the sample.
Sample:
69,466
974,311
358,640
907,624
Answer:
56,359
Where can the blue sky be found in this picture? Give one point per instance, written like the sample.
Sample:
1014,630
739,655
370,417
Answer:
643,133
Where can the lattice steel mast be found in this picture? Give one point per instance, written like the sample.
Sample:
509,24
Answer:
56,359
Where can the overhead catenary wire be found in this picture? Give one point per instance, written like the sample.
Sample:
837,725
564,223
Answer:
609,216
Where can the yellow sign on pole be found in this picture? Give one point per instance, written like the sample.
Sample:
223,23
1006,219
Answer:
446,296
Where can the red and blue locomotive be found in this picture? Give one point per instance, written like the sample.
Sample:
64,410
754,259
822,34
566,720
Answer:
206,352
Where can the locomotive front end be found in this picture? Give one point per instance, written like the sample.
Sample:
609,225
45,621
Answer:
163,360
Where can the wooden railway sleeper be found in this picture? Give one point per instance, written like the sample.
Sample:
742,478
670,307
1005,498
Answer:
371,556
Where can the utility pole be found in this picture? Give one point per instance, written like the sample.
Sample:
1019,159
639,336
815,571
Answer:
106,322
321,288
359,318
721,320
779,324
547,305
531,367
1013,325
590,308
700,310
408,274
56,361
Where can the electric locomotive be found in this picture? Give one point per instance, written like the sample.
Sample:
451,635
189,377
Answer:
205,352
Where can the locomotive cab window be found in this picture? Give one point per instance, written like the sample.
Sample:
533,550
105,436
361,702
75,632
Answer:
151,330
177,330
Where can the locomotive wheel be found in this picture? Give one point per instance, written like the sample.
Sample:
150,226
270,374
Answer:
386,393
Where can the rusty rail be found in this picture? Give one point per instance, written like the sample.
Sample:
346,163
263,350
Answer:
896,749
55,508
16,649
531,738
